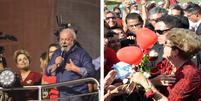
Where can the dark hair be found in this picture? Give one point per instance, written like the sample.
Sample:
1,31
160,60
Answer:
116,7
189,3
55,45
133,16
170,21
193,8
110,34
177,7
116,27
184,21
43,55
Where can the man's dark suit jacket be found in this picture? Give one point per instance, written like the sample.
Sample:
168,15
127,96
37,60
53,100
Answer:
197,58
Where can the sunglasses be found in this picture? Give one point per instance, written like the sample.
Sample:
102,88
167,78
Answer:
161,32
108,18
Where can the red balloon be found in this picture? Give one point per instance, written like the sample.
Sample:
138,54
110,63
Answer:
146,38
130,55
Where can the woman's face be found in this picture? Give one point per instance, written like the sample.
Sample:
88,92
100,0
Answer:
114,43
105,43
42,63
111,20
121,33
168,52
51,51
22,61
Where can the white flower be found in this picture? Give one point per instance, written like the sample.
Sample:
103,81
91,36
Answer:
146,75
152,53
125,81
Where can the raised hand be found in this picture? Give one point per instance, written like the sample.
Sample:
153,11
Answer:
163,80
109,78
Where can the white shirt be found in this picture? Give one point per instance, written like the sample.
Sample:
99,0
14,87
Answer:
197,25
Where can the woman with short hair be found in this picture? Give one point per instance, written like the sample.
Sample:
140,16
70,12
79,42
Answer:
180,47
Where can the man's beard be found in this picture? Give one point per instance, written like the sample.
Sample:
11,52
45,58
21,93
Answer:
68,46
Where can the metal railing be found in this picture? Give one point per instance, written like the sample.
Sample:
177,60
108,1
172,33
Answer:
40,87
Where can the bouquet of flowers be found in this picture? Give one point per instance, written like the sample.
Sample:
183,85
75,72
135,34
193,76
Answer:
124,72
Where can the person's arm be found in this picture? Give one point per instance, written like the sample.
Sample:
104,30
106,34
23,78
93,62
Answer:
166,5
1,65
126,11
52,65
163,80
1,62
144,13
139,78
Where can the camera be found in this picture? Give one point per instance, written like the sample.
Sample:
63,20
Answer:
126,42
62,26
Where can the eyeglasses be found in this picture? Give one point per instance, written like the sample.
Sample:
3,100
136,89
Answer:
166,45
161,32
108,18
189,15
152,20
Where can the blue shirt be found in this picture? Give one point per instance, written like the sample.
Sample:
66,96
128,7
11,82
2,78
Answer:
81,59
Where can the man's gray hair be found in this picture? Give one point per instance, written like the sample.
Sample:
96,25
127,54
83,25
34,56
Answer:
72,32
157,10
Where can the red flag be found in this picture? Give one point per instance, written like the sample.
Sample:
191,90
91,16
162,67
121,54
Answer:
173,2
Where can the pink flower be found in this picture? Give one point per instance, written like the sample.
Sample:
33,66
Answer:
149,94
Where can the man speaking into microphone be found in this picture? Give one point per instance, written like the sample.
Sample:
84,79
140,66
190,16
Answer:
69,63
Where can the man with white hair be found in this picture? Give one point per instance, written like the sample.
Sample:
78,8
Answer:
70,63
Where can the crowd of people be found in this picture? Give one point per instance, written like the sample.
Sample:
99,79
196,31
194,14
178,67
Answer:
178,28
63,61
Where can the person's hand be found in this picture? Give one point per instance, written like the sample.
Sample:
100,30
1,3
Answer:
163,80
138,78
135,67
46,96
58,60
119,90
144,2
107,96
70,66
109,78
127,3
133,39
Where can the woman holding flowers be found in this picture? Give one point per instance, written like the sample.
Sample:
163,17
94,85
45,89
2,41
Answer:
180,47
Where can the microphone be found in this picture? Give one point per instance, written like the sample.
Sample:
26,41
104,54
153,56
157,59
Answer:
62,50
